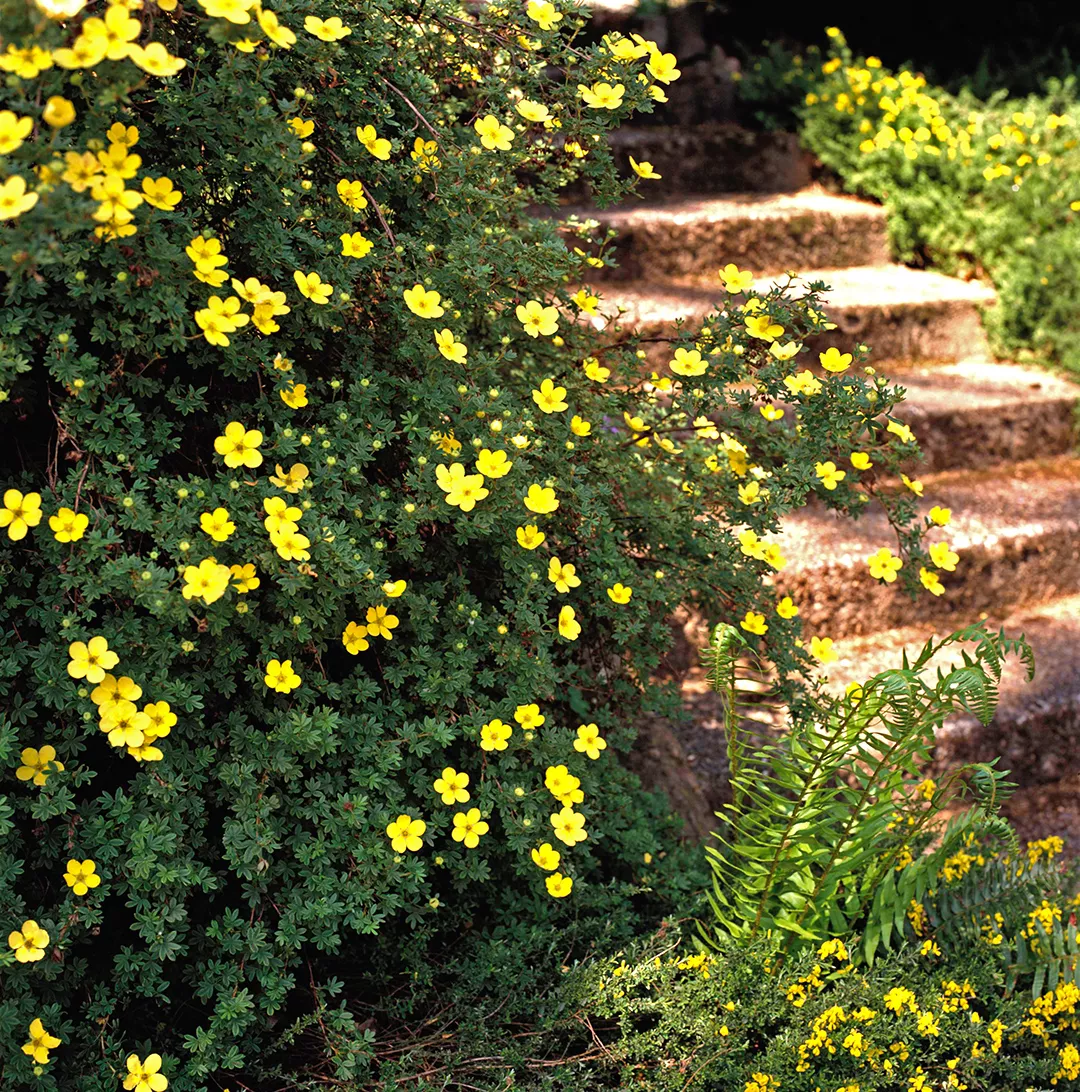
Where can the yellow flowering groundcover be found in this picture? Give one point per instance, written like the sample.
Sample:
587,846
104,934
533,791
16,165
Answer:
341,524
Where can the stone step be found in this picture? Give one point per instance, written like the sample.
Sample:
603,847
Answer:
1036,730
1016,530
693,236
906,315
711,157
977,414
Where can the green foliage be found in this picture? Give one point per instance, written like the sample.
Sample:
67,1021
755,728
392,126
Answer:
819,820
982,187
263,909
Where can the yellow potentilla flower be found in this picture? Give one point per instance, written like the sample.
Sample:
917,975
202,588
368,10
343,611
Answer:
884,565
161,719
530,536
378,146
595,370
493,135
550,398
81,876
529,717
821,648
144,1075
786,608
217,524
291,480
19,513
944,557
860,460
406,833
620,593
569,826
244,578
492,464
422,302
832,360
394,589
112,689
380,622
579,426
124,723
281,677
939,515
451,786
829,475
687,362
543,13
449,346
536,319
58,112
295,397
37,764
355,638
236,11
354,244
494,735
313,287
90,660
589,741
931,581
469,828
535,112
541,500
207,581
329,30
14,200
41,1042
272,27
644,169
734,279
351,193
240,446
160,193
28,942
602,96
569,627
68,526
462,490
558,885
280,517
754,623
762,326
546,857
663,67
156,59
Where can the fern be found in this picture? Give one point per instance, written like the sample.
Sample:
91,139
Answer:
809,844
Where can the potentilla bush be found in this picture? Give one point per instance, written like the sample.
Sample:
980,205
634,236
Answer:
341,526
983,187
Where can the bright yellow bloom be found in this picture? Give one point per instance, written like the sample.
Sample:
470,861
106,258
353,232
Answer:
821,648
762,327
663,67
329,30
569,627
292,480
529,717
279,34
546,857
784,351
37,764
207,581
901,432
602,96
579,426
81,876
144,1075
422,302
589,742
931,581
380,622
595,370
569,826
20,512
352,195
394,589
564,577
240,446
530,536
687,362
541,500
536,319
469,828
406,833
378,146
860,460
295,397
944,557
543,13
644,169
28,942
620,593
558,885
160,193
786,608
355,244
91,660
494,735
281,677
462,490
236,11
41,1042
156,59
58,112
829,475
914,485
804,383
217,524
493,135
160,719
355,638
754,623
832,360
939,515
884,565
450,347
535,112
492,464
735,280
313,287
451,786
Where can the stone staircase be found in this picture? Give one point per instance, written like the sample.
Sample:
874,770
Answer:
999,441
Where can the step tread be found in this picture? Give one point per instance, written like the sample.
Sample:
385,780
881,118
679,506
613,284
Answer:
972,386
736,206
1025,500
887,286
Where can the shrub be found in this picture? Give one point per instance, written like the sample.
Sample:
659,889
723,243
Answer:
325,487
973,186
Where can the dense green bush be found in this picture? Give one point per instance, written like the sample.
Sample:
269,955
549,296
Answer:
983,188
322,480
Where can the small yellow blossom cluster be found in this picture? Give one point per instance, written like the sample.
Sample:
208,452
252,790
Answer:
469,826
21,511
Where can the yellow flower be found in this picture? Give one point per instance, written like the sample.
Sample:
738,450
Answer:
156,59
469,828
558,885
595,370
546,857
803,383
492,464
355,638
462,490
564,577
829,475
240,446
144,1075
915,486
786,608
620,593
281,677
901,432
569,826
494,735
313,287
535,112
295,397
422,302
352,195
784,351
644,169
529,717
541,500
662,67
58,112
217,524
579,426
207,581
451,786
378,146
19,513
355,244
602,96
244,577
569,627
821,648
754,623
160,193
81,876
124,724
37,764
277,33
91,660
380,622
944,557
292,480
939,515
67,526
41,1042
493,135
450,347
406,833
762,327
543,13
860,460
329,30
529,536
394,589
687,362
236,11
832,360
28,942
931,581
884,565
735,280
589,742
536,319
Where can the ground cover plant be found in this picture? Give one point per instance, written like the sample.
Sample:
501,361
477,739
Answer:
340,528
